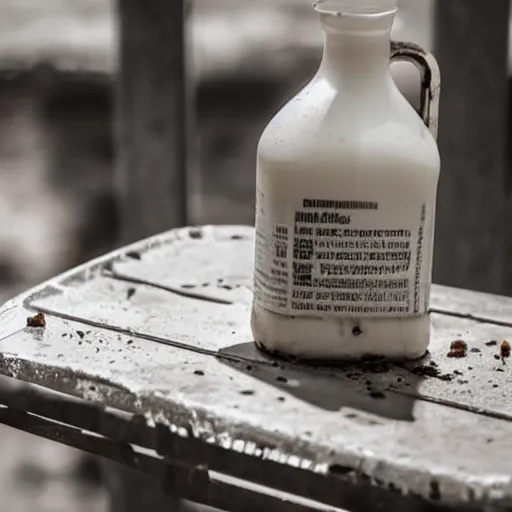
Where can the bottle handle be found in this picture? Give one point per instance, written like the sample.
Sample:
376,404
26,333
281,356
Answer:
430,80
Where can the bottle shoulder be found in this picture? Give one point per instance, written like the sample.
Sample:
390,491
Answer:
324,119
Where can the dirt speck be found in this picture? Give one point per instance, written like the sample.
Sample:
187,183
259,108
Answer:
198,372
195,233
505,349
81,334
38,321
377,394
130,293
430,371
492,343
282,379
356,331
247,392
134,255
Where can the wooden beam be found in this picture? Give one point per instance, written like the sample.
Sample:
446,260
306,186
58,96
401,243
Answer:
151,177
472,228
151,117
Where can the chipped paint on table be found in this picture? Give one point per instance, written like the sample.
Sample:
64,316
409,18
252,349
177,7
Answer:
161,330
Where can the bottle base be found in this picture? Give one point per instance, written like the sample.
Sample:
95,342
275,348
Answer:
340,339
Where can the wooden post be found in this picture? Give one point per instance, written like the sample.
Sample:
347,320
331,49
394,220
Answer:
151,128
151,117
473,233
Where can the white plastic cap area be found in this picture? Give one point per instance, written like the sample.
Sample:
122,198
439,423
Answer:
337,7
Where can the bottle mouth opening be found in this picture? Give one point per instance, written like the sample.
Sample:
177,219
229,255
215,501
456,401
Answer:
355,7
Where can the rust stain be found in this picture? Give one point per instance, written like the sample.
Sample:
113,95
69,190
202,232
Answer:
38,321
458,348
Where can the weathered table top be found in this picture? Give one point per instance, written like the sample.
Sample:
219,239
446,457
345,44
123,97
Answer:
150,351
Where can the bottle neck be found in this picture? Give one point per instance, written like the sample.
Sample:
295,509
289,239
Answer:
360,60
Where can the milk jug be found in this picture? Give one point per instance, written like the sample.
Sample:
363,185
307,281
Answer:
347,176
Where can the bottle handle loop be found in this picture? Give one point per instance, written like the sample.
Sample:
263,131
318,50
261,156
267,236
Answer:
430,80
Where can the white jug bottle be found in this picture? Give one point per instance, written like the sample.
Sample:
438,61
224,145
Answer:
347,177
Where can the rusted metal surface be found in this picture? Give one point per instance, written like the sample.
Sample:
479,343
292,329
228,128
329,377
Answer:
178,373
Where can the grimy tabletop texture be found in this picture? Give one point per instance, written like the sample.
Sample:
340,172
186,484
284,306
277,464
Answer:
152,343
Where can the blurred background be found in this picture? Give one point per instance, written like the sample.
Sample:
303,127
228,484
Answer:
58,62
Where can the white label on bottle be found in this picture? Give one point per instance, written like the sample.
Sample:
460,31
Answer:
323,258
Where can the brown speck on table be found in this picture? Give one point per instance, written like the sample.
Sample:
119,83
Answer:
38,321
492,343
130,293
458,348
505,349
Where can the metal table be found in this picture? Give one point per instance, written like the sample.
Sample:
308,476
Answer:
146,358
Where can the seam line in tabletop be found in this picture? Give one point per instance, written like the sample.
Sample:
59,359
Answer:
112,274
149,337
455,405
241,359
471,316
